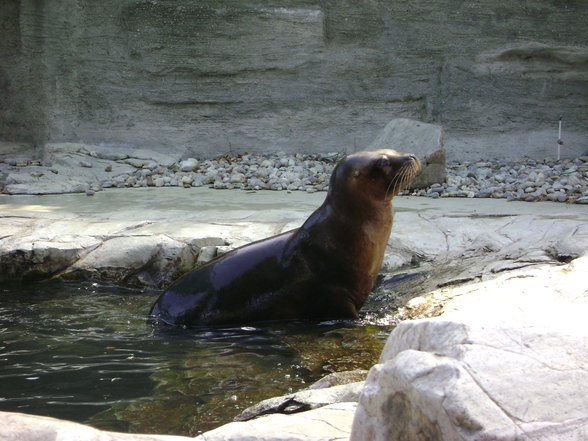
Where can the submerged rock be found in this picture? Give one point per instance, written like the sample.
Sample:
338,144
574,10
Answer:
328,423
303,401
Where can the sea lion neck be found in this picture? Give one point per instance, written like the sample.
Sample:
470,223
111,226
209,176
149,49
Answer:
359,207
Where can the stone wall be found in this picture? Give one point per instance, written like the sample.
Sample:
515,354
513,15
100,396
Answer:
296,75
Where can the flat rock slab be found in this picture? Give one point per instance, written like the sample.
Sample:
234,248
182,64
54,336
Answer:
506,361
23,427
328,423
150,236
303,401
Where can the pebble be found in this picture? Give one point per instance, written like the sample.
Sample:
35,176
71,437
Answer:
525,180
188,165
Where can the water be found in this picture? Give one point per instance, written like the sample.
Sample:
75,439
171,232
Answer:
84,352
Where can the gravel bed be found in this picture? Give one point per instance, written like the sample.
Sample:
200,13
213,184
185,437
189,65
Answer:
529,180
526,180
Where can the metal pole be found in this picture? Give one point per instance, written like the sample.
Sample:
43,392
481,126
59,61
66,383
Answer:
559,141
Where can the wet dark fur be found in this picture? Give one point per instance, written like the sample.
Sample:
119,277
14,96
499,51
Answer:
323,270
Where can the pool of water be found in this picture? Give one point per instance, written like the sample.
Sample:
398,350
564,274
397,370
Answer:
85,352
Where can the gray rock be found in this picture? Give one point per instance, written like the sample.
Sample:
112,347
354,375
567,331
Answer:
485,193
574,179
188,165
237,178
138,260
219,185
328,423
339,378
187,180
303,401
33,257
557,197
472,373
137,163
22,427
207,253
256,183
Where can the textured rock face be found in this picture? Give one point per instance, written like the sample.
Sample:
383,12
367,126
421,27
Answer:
506,363
294,75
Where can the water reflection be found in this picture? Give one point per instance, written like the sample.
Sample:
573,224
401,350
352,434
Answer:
86,353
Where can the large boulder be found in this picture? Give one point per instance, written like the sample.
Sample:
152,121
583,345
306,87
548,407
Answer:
506,362
422,139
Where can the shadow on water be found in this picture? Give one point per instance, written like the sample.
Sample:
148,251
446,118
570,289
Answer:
84,352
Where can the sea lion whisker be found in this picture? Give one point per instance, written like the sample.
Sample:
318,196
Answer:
402,177
393,181
407,173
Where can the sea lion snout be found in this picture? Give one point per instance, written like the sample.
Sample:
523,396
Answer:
406,167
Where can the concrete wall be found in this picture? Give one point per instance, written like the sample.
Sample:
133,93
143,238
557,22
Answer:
294,75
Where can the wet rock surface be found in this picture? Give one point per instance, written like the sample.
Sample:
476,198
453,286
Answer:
303,401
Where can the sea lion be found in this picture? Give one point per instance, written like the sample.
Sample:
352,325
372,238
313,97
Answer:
323,270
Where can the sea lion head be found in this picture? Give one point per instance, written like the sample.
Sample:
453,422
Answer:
373,175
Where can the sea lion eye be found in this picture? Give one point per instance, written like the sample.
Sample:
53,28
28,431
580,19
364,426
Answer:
384,162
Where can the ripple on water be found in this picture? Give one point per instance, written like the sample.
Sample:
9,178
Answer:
85,352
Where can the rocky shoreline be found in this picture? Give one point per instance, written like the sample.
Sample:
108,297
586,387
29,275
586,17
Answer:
501,359
517,292
75,168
